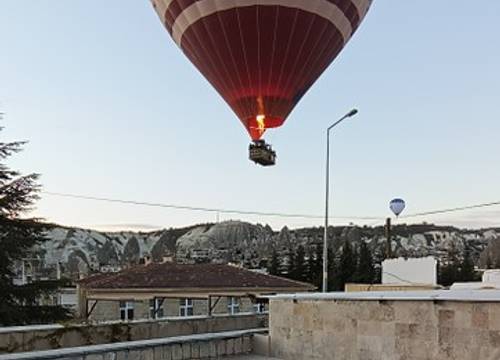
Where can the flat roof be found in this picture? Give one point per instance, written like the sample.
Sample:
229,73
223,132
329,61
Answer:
427,295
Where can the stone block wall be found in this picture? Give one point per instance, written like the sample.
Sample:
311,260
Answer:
43,337
370,329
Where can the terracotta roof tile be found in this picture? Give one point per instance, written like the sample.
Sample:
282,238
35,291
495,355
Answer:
171,275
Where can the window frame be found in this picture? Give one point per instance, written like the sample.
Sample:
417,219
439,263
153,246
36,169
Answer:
186,307
259,308
156,310
126,310
233,305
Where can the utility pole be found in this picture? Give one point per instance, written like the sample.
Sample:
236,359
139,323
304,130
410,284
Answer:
388,252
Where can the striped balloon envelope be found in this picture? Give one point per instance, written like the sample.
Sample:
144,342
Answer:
261,55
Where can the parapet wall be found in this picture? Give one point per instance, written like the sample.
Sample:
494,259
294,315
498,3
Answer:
36,338
200,346
374,326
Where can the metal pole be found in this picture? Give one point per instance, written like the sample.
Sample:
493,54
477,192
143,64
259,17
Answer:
327,196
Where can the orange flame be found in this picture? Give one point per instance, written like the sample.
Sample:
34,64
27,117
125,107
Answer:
261,125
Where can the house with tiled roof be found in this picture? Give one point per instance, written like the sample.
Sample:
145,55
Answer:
169,289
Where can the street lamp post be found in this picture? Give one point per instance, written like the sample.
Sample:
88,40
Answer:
327,195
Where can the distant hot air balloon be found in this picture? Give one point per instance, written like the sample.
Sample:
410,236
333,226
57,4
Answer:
397,206
261,55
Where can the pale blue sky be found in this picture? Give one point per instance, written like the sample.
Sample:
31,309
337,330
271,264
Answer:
112,108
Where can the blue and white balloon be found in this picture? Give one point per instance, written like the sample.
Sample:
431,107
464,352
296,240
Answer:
397,206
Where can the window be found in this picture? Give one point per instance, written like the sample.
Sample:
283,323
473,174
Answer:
156,308
259,307
233,305
186,307
127,310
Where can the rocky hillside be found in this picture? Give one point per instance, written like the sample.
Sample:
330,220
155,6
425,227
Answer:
76,252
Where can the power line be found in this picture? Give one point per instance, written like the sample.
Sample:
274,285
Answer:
455,209
203,209
261,213
442,211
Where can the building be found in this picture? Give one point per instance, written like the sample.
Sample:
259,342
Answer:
170,289
67,297
403,274
410,271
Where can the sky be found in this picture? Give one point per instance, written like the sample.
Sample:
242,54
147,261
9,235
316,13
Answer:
112,108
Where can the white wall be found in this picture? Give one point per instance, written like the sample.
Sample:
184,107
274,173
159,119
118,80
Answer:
410,271
67,297
491,280
492,277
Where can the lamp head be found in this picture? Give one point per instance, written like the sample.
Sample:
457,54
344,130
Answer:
352,113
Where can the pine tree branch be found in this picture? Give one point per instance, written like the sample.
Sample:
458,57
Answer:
19,195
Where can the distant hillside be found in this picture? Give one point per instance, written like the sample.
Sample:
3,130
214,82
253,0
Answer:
76,252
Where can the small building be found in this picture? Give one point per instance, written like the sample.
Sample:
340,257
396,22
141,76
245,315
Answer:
171,289
403,274
67,297
410,271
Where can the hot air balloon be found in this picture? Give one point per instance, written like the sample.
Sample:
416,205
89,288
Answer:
397,206
261,55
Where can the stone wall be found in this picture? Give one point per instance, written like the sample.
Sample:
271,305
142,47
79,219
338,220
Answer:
385,329
201,346
31,338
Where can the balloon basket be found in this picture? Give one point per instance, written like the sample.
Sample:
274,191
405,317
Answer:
262,153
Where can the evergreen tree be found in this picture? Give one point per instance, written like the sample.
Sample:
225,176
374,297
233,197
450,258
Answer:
334,279
449,271
318,265
300,264
18,193
314,265
467,272
288,269
489,264
299,268
365,272
274,264
347,265
311,259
